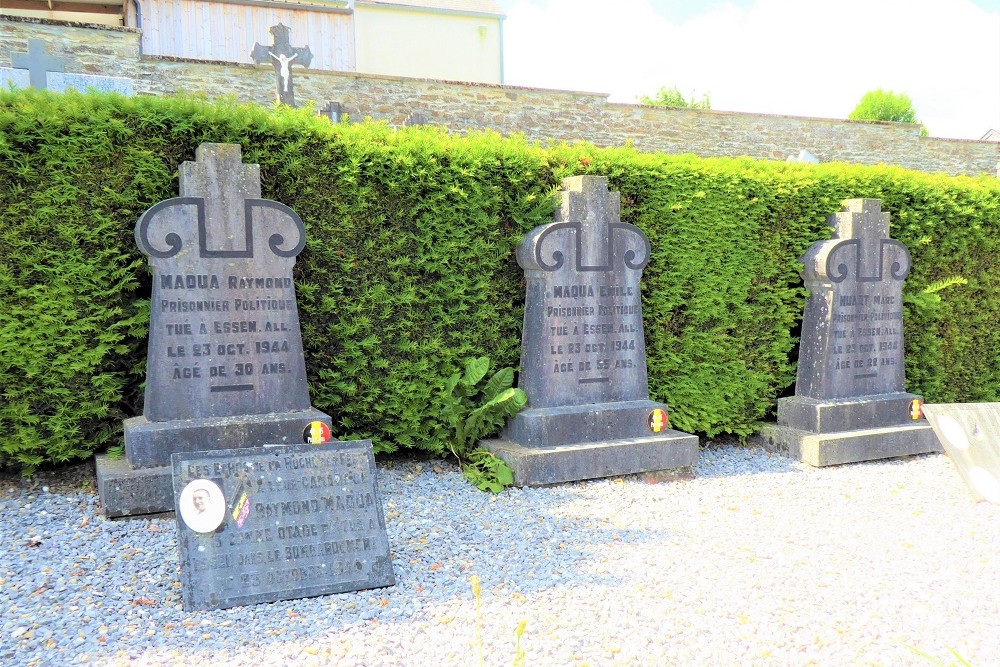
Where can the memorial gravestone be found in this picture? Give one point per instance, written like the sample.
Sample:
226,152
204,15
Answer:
583,357
225,367
850,402
970,434
278,523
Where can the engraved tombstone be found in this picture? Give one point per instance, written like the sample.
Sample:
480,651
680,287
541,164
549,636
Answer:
850,401
970,434
277,523
225,367
583,356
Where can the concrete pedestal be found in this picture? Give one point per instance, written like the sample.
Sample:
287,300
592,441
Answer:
553,445
864,428
141,482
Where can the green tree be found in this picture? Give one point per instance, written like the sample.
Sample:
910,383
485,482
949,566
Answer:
672,97
887,106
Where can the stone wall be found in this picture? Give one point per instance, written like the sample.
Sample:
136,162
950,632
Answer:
538,114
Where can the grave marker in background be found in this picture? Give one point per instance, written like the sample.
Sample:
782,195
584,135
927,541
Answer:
278,523
38,62
225,367
583,358
850,402
40,69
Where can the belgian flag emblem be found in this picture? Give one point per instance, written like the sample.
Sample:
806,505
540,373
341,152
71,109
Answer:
657,420
316,433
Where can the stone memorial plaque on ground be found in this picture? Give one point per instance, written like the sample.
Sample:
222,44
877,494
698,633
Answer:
225,367
850,401
970,434
264,524
583,358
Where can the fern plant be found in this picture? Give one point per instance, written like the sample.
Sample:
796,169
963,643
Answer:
471,410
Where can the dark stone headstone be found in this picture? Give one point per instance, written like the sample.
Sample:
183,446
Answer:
277,523
283,56
850,400
970,434
224,367
38,62
583,357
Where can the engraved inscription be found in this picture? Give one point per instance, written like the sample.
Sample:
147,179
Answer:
299,521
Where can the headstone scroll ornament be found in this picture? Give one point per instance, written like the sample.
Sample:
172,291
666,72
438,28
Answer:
861,248
597,248
281,54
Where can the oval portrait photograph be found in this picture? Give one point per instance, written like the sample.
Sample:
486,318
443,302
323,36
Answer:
202,506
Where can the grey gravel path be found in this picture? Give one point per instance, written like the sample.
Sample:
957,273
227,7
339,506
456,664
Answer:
756,560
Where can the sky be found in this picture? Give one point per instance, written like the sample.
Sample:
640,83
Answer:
793,57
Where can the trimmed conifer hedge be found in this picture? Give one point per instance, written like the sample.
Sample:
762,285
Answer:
409,266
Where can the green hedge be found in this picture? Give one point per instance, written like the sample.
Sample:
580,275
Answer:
409,269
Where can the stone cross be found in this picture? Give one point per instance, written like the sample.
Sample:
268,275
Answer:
282,55
38,62
223,182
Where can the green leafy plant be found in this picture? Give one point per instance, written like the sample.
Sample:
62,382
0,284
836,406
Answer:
673,97
470,410
887,106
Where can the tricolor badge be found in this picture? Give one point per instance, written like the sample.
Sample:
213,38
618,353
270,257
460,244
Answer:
657,420
241,509
916,409
316,433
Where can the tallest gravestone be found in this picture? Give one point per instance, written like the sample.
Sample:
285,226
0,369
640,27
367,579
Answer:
850,400
225,367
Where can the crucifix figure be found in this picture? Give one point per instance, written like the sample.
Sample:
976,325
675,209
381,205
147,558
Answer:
281,54
38,63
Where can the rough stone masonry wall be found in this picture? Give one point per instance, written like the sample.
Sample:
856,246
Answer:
538,114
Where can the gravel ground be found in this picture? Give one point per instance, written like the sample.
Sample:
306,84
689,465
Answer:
754,560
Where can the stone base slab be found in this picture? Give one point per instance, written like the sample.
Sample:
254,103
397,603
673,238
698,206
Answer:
150,444
540,466
827,449
849,414
591,422
126,491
